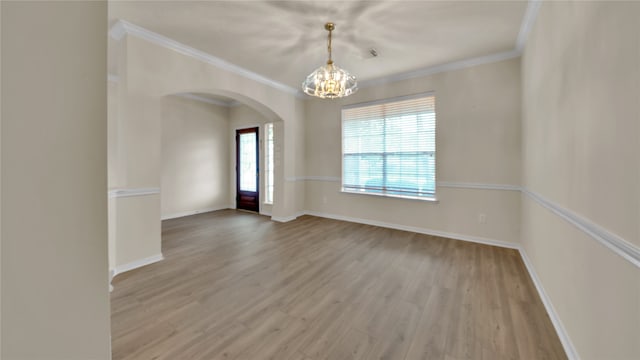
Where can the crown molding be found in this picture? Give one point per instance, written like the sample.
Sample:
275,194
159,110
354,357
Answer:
528,21
455,65
122,27
206,100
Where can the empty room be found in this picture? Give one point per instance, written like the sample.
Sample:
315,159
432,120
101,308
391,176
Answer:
320,180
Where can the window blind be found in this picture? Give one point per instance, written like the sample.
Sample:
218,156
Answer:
389,147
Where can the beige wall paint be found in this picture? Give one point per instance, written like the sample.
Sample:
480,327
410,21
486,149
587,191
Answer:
132,217
0,184
478,141
55,301
149,72
195,152
581,150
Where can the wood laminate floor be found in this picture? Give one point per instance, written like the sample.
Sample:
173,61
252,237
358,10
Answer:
235,285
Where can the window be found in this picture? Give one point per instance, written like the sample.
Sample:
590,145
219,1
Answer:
268,159
389,147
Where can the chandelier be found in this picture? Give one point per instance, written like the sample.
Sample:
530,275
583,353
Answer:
330,81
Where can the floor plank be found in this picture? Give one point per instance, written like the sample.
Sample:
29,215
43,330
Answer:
235,285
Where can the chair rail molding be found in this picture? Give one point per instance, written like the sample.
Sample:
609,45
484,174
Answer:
609,240
118,193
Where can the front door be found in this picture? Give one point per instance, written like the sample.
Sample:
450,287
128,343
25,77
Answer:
247,171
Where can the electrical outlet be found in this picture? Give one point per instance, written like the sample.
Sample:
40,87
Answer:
482,218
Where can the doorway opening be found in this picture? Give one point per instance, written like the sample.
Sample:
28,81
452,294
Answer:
247,169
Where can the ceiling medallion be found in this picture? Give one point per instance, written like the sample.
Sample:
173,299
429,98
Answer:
330,81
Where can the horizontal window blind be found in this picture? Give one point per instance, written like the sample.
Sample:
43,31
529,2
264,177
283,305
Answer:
389,148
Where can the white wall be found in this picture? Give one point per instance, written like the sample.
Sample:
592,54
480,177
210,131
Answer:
55,300
195,152
581,151
478,141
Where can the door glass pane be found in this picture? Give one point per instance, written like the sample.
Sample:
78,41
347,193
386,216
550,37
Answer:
268,183
248,162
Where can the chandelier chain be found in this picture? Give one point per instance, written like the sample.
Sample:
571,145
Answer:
330,61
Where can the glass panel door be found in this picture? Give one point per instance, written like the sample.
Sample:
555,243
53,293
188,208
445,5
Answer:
247,169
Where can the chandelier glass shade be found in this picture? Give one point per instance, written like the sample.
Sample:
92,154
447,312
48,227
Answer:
330,81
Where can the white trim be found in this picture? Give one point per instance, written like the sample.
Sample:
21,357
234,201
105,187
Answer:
475,239
192,212
112,273
203,99
118,30
611,241
562,333
138,263
320,178
447,184
122,27
528,20
546,301
284,219
455,65
265,213
113,78
118,193
615,243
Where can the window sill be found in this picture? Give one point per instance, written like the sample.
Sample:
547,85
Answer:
419,198
268,203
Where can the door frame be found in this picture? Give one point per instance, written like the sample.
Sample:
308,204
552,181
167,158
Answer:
256,130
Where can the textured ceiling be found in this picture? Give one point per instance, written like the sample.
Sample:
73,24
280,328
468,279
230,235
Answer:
285,41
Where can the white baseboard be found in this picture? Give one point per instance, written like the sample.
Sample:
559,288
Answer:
112,273
546,301
265,213
137,263
285,218
569,349
454,236
193,212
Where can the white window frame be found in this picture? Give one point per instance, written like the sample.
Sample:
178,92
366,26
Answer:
430,198
269,168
